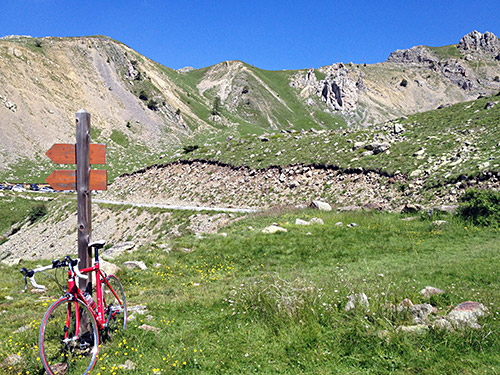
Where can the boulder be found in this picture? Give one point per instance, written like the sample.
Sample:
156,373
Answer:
317,220
273,229
398,128
301,222
421,312
358,145
108,268
322,206
411,208
466,314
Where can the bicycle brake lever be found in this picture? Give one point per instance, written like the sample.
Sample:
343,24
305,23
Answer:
35,284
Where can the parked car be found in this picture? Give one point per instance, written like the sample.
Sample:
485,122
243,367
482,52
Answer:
34,187
47,189
18,188
2,187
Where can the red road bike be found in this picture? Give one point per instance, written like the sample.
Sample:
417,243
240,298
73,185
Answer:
72,325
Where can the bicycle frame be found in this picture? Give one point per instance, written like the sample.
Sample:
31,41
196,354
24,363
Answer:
77,294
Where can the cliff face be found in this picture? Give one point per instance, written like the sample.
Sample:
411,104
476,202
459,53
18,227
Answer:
143,110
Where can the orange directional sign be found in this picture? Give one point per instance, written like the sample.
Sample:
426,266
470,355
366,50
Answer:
65,179
65,153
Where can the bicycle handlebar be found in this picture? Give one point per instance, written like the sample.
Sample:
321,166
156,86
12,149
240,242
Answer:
66,262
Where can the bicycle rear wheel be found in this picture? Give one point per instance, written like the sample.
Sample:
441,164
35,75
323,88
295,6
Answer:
115,305
61,351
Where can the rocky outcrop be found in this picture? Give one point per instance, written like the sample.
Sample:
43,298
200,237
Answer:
454,70
486,44
458,73
338,90
416,55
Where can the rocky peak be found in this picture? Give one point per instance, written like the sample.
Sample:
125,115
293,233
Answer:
485,44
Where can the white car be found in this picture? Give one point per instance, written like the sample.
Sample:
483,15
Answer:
18,188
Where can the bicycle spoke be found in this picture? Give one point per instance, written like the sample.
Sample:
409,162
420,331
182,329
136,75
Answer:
115,306
65,348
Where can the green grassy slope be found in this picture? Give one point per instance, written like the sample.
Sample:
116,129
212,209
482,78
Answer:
459,140
274,304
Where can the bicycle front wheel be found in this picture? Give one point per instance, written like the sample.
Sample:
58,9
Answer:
115,305
69,338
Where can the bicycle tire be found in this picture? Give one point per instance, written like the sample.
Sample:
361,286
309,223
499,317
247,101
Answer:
113,306
68,356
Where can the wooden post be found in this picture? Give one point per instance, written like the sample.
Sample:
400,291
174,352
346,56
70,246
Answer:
82,189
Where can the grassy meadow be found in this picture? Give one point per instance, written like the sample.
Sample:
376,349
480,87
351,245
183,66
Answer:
248,302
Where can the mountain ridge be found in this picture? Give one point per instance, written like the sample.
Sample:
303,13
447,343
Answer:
144,110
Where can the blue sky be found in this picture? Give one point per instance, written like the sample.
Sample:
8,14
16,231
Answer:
266,33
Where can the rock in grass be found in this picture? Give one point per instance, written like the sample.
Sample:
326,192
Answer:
421,312
317,220
131,264
138,309
118,249
12,261
411,208
417,329
108,268
404,305
273,229
60,368
429,291
439,223
442,324
147,327
128,365
490,105
322,206
301,222
357,300
12,360
466,314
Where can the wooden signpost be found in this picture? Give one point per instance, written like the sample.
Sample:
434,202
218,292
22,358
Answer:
83,179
